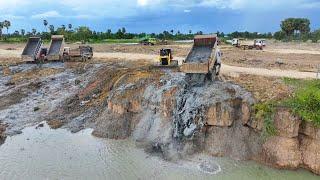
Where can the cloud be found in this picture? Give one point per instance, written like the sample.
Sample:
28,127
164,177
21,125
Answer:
11,17
90,9
49,14
142,2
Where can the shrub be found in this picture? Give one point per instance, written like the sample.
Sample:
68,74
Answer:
266,111
305,101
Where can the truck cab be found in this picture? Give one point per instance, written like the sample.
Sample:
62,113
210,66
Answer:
235,42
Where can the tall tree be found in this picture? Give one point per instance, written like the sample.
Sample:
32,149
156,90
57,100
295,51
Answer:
123,30
51,28
302,25
1,27
70,26
290,25
63,27
172,31
34,31
7,24
45,23
84,33
23,32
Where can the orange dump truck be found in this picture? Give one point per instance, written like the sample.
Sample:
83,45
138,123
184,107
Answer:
204,57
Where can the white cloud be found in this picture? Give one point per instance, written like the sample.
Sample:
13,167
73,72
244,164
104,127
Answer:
10,17
86,9
142,2
49,14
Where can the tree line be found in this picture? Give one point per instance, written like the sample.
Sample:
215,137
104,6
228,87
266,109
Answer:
291,29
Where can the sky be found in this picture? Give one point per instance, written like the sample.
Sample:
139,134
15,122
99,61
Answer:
159,15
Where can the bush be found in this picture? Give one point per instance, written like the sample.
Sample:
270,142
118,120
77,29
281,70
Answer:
266,111
305,101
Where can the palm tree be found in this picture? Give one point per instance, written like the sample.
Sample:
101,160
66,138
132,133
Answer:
7,24
51,28
63,27
70,26
23,32
45,23
190,31
172,31
34,31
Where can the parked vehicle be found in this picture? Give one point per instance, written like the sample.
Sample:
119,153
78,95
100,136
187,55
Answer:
82,53
55,51
33,50
248,44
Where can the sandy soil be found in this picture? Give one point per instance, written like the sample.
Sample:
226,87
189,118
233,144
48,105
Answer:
286,56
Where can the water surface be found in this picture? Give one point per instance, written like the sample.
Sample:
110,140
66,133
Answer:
44,153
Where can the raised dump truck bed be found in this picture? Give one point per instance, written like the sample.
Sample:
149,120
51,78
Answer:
56,47
202,57
32,49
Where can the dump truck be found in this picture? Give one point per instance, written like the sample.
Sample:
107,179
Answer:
148,41
34,50
56,48
247,44
203,59
152,41
82,53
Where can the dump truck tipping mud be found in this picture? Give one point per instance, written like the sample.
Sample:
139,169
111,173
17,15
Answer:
31,52
56,47
204,58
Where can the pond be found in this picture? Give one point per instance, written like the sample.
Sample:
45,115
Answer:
44,153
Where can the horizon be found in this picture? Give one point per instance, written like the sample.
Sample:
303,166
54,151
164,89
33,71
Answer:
139,16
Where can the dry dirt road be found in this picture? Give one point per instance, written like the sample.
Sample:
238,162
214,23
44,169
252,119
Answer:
226,69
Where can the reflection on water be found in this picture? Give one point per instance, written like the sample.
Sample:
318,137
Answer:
57,154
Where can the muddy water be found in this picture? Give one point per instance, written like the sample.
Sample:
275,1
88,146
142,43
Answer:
43,153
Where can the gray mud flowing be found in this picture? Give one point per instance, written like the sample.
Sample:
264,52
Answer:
32,101
199,54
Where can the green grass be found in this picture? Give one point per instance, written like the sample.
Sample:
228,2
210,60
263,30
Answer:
113,41
266,111
305,101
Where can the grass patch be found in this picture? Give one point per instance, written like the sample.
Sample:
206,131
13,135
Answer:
305,101
115,41
266,111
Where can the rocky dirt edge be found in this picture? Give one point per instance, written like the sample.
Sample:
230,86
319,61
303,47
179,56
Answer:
164,115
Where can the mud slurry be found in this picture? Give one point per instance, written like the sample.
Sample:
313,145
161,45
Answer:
30,92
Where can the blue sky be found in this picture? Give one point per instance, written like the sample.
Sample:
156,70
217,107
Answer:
159,15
